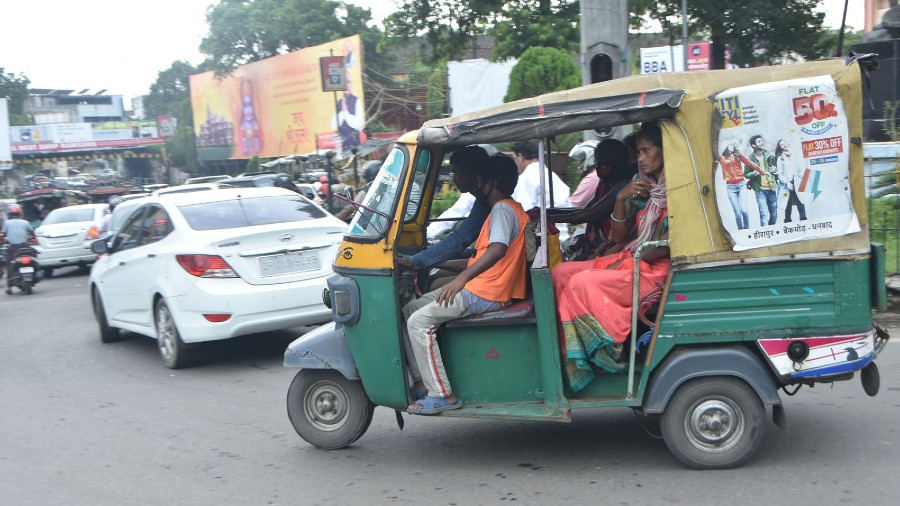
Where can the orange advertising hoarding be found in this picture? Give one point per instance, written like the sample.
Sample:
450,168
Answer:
276,107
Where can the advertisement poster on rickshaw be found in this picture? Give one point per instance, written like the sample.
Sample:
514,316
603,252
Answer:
782,171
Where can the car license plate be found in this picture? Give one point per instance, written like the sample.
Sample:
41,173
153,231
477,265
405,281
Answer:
26,270
286,263
59,240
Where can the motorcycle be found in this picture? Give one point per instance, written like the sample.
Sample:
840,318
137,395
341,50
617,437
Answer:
23,270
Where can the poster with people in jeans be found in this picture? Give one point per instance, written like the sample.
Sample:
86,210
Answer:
782,163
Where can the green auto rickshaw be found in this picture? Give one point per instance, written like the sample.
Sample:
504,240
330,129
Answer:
748,308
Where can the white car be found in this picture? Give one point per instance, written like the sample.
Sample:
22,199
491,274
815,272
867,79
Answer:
65,236
205,179
188,188
202,266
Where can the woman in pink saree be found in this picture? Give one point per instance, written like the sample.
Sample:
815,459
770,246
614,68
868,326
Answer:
594,297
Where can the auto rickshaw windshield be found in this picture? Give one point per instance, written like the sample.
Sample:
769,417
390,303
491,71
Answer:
381,197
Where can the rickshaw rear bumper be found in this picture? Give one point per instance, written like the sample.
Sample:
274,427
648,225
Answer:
322,348
823,358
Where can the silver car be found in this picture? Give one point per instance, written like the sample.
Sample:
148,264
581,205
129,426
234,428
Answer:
65,236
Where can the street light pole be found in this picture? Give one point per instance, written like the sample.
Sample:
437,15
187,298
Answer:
328,156
684,33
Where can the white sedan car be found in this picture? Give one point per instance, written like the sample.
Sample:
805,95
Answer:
65,236
202,266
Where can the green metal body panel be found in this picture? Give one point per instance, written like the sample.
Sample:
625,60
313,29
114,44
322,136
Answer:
879,290
493,364
375,341
742,303
551,357
515,371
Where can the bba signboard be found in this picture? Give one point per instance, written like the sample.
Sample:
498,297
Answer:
276,107
671,58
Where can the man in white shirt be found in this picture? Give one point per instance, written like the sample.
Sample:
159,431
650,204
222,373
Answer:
527,193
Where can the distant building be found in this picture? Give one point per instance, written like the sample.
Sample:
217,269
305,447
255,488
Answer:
49,106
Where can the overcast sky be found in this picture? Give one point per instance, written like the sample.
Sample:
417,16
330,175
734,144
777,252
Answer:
121,45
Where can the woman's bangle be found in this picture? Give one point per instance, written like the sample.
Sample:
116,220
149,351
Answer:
613,217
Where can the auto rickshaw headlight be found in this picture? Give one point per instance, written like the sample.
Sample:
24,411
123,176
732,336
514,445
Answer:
342,302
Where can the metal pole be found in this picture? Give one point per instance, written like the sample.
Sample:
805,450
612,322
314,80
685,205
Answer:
337,113
543,251
355,151
635,295
684,33
328,156
840,46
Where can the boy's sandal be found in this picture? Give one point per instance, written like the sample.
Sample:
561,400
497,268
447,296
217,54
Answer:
416,393
431,405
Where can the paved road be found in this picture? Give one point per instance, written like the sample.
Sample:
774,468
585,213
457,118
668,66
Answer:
82,423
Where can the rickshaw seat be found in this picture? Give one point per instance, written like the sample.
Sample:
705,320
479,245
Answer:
518,312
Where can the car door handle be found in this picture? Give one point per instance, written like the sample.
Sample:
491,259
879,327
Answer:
151,255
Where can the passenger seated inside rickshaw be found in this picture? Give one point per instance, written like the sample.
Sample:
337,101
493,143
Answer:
490,280
614,170
594,297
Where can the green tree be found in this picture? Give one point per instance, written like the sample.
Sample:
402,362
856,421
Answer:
14,88
171,95
542,70
452,27
244,31
171,89
764,31
543,23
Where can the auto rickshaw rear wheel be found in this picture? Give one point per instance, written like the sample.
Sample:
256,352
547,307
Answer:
328,410
714,423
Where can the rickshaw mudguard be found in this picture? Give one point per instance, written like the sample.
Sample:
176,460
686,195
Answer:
685,364
324,347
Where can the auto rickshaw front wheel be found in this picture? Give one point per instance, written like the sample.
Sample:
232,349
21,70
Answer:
328,410
714,423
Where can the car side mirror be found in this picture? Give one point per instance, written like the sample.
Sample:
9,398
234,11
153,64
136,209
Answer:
100,246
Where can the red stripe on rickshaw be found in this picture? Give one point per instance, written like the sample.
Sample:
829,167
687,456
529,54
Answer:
643,96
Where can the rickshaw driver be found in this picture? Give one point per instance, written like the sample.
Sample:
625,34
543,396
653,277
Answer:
494,276
464,162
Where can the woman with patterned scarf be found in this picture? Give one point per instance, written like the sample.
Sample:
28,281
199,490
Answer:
594,303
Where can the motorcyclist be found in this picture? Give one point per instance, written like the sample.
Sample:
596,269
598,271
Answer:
284,181
16,231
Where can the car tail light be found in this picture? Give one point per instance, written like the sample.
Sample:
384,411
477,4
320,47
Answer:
206,266
93,232
217,317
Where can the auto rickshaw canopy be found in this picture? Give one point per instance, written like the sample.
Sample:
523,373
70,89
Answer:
684,103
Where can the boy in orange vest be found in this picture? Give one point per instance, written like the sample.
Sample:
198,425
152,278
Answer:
489,280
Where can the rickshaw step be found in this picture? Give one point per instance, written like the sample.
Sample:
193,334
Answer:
510,410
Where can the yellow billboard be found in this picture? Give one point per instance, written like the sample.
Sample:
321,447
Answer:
276,107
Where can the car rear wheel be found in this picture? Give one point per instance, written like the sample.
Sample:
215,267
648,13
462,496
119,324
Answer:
328,410
107,334
168,340
714,423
